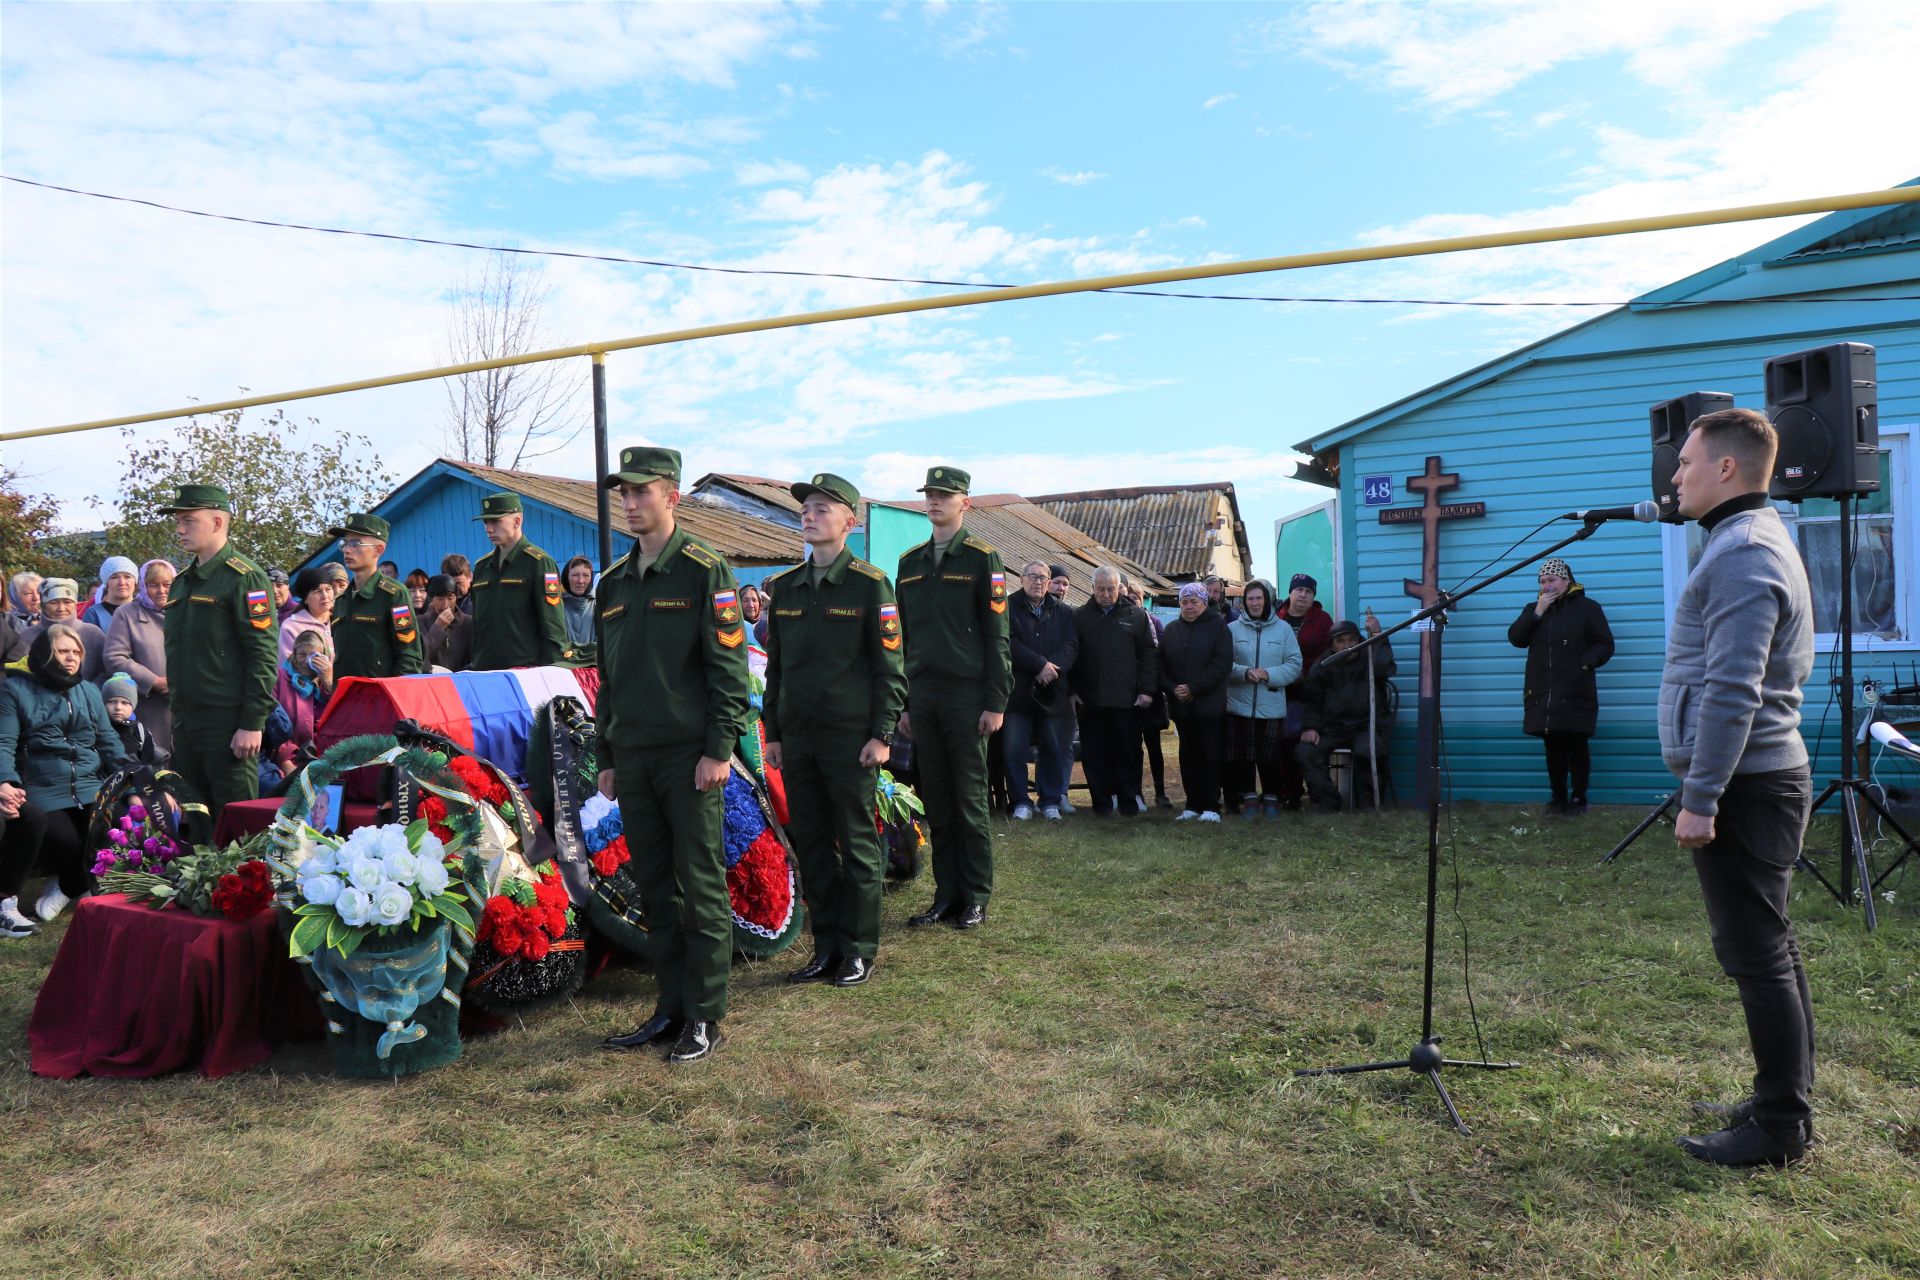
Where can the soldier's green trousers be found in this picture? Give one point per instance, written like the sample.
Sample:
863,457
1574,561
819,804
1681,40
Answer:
842,862
950,756
204,759
679,863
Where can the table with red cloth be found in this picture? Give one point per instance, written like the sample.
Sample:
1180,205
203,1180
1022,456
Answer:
136,991
243,818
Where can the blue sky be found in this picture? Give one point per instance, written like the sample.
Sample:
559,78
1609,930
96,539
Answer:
982,142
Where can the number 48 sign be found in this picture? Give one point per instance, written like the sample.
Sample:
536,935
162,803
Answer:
1377,491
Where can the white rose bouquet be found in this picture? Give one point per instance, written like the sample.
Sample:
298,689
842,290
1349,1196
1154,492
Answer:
389,879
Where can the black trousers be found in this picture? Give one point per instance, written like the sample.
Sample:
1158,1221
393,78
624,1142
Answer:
1568,764
54,838
1746,874
1313,760
1203,750
1150,726
1110,755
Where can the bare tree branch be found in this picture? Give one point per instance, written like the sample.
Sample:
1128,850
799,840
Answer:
504,417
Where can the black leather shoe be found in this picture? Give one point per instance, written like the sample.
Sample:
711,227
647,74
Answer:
655,1030
1732,1114
932,915
700,1039
818,969
970,917
1744,1145
852,972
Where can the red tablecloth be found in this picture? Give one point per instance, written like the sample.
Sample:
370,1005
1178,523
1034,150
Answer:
243,818
139,992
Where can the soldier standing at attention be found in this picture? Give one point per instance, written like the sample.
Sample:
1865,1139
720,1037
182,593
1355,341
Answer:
223,652
517,619
835,687
673,701
374,631
953,612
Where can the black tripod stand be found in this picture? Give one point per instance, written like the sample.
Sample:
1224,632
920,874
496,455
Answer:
1425,1057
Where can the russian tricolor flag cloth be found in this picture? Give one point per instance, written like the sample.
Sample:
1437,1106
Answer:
488,712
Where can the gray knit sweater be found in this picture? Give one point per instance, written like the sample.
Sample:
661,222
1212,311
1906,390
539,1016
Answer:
1740,647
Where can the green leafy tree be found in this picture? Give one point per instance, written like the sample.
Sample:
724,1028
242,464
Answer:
26,518
286,493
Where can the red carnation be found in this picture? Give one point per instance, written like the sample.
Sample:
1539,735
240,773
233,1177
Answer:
556,921
507,939
534,946
606,862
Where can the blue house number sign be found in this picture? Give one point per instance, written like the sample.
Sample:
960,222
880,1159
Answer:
1377,490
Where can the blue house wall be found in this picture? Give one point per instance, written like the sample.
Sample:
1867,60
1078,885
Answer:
1563,425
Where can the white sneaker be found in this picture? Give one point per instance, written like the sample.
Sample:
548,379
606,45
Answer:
1209,816
1140,804
1022,812
1065,807
1051,813
52,901
12,923
1185,815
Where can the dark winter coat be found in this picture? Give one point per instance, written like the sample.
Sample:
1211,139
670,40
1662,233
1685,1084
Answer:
1333,700
1115,663
56,744
1314,631
1198,654
1035,640
1564,649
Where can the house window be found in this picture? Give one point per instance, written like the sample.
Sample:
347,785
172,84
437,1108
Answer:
1883,560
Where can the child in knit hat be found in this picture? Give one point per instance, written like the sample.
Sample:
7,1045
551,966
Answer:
121,694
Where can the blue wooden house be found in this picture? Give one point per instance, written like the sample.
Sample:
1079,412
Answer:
1562,424
433,514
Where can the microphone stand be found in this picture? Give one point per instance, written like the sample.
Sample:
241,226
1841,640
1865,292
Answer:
1425,1058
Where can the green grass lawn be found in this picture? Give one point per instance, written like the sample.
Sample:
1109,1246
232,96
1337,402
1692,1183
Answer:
1098,1083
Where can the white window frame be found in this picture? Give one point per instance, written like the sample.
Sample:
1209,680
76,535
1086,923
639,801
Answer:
1904,436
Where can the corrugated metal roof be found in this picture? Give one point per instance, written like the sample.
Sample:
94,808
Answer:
1022,530
774,492
740,538
1889,230
1165,526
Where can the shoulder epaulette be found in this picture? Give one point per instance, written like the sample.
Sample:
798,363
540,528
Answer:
240,564
535,552
389,586
617,563
786,573
865,570
978,545
702,556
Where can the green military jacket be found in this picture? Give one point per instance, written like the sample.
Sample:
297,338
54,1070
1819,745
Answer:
954,617
375,633
833,652
223,644
517,620
673,655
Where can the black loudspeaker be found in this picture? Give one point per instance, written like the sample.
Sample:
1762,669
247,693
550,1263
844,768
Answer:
1669,420
1825,403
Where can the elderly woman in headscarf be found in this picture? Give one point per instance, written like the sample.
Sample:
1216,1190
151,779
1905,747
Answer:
1196,658
119,579
576,599
60,603
23,599
1566,636
1266,659
137,645
56,749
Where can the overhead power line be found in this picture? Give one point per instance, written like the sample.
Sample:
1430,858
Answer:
795,273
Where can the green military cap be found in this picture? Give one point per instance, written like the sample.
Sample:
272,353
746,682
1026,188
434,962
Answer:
200,497
643,464
369,526
827,485
947,480
495,505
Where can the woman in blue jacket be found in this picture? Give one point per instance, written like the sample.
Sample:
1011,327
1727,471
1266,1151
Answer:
1266,659
56,749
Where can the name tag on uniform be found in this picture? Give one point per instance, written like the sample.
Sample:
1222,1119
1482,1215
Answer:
513,582
669,604
478,583
956,577
836,612
789,613
609,614
203,599
915,578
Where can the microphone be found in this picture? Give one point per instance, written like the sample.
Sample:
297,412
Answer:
1644,512
1888,736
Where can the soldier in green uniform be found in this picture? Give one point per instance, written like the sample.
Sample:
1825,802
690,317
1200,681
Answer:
517,619
223,652
374,631
835,688
953,612
673,701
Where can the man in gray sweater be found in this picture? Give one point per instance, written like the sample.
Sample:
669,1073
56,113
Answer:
1740,647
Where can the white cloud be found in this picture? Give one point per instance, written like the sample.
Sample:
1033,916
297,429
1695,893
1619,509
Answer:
760,173
1218,100
1072,178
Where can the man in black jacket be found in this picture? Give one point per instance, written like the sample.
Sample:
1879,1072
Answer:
1337,709
1045,641
1196,656
1114,673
